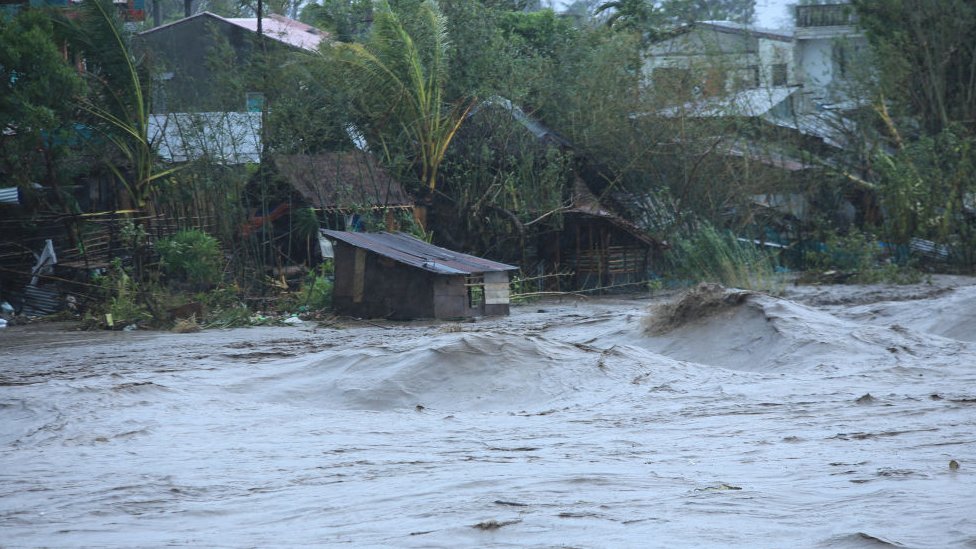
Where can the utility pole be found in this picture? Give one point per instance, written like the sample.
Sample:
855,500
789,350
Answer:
260,9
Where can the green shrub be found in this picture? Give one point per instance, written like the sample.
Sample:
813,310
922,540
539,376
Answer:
854,252
191,256
861,258
118,297
317,288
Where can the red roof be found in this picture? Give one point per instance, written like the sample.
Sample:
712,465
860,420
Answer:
277,27
291,32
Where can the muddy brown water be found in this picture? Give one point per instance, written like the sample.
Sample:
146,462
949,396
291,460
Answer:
824,419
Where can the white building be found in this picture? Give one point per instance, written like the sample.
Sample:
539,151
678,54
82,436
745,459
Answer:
712,58
812,65
829,51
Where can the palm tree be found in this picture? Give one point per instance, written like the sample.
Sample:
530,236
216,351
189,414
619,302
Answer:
400,77
118,97
636,15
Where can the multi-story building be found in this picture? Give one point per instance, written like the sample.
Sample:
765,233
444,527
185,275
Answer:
816,64
714,58
829,51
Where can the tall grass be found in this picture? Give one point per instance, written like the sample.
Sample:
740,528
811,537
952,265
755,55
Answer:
711,255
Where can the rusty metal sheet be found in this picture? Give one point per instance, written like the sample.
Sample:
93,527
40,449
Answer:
417,253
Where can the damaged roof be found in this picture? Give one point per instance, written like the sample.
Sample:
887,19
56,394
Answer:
539,130
586,203
747,103
342,180
277,27
283,29
410,251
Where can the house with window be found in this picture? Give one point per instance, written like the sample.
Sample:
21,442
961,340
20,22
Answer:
717,58
712,63
828,49
786,95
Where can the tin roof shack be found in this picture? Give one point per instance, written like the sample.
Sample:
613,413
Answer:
400,277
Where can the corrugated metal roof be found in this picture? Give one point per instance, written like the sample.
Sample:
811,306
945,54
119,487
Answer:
830,126
784,35
281,28
9,195
274,26
417,253
748,103
224,137
536,128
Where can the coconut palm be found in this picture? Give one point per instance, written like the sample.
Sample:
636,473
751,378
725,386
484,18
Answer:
399,78
118,98
636,15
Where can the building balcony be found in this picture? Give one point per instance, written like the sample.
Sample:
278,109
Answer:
826,15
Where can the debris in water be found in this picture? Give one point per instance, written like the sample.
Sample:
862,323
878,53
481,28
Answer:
702,301
720,487
187,325
953,465
510,503
494,524
866,398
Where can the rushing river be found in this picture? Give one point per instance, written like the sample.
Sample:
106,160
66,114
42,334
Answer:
773,423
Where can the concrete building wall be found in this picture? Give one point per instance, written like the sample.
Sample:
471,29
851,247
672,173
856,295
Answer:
720,62
773,53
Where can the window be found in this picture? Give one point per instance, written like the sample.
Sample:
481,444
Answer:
746,78
254,101
476,290
779,74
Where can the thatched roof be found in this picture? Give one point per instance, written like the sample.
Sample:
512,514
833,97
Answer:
342,181
585,203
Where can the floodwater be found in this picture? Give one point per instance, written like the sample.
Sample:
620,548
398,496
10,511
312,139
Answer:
824,419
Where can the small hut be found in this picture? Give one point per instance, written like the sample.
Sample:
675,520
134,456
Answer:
600,248
385,275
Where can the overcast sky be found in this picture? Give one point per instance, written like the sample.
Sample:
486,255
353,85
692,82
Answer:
769,13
